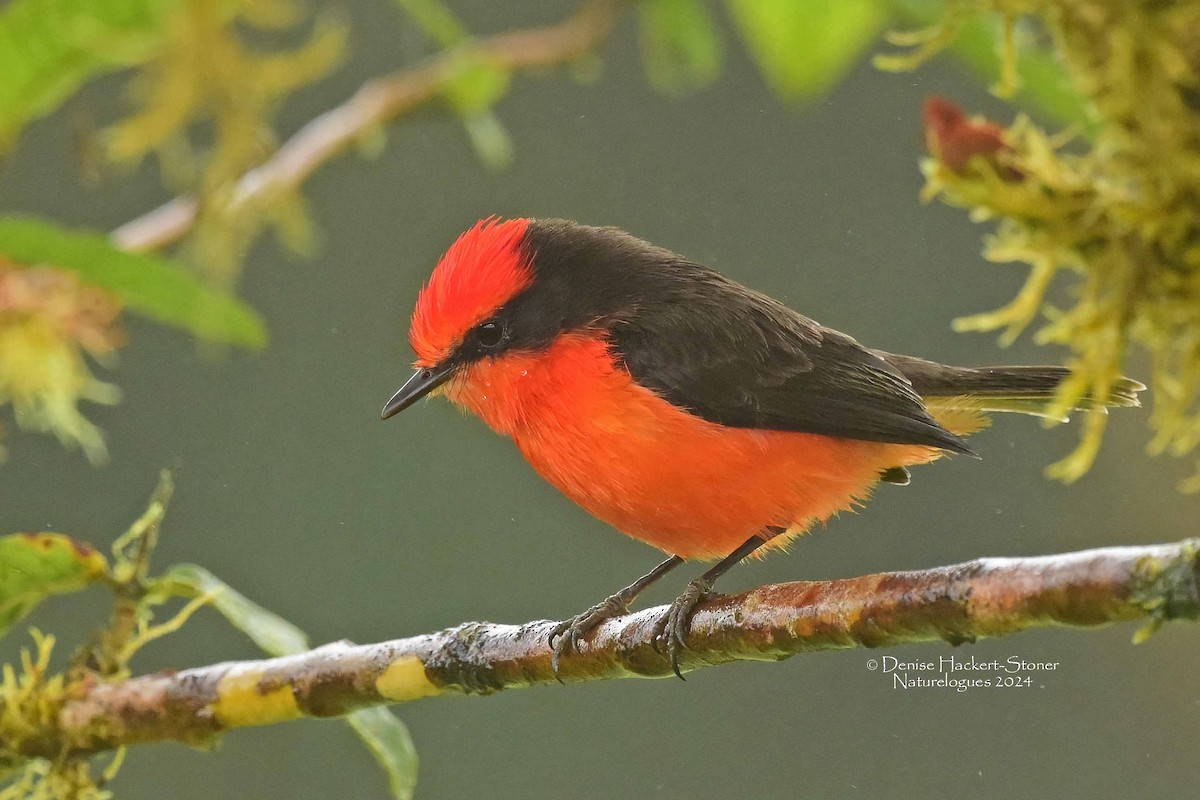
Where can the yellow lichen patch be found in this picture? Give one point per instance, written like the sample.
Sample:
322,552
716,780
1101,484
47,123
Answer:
29,697
64,779
241,701
405,679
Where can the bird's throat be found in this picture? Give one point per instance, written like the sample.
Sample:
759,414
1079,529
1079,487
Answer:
556,387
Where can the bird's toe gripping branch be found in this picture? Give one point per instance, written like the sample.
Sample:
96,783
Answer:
566,636
672,627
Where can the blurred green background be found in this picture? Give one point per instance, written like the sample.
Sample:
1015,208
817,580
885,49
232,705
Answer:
292,490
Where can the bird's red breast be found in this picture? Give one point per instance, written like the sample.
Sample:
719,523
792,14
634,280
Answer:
688,486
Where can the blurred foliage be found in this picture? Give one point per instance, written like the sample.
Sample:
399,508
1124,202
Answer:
36,565
804,49
208,75
156,287
48,48
1012,53
48,321
204,105
475,88
51,316
681,49
203,101
392,746
1118,217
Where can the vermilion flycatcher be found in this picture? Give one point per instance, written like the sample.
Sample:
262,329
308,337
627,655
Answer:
692,413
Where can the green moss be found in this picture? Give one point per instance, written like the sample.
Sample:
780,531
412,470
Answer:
1168,591
1116,220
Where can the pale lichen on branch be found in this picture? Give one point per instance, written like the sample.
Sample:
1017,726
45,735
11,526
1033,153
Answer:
954,604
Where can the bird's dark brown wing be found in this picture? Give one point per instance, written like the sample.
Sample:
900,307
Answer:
739,358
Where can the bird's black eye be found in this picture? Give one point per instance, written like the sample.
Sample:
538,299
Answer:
490,334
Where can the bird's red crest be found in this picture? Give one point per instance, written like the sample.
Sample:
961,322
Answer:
484,269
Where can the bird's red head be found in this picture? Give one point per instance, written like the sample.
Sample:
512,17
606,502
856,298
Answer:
507,291
484,269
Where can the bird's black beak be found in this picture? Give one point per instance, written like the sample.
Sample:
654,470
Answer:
420,384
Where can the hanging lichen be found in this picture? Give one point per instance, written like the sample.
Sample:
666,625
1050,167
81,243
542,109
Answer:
205,108
1118,216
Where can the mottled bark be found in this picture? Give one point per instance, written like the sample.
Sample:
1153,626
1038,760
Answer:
955,604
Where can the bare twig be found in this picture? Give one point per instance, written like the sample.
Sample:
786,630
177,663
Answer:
377,102
955,604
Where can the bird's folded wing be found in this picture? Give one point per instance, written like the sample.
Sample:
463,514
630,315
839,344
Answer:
739,358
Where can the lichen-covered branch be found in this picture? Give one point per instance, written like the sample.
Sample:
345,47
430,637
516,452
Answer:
955,604
377,102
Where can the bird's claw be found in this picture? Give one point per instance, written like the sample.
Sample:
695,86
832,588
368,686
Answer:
567,635
671,629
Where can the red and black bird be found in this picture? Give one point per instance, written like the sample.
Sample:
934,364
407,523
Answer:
684,409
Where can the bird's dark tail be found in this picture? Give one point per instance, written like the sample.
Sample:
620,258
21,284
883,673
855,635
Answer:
959,393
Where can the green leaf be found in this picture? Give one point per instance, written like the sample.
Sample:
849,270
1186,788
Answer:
271,632
389,741
804,47
680,45
156,287
383,733
475,86
34,566
48,48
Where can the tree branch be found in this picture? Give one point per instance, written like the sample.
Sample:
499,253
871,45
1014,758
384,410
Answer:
377,102
955,604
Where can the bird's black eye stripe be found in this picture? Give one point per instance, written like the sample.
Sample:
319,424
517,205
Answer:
489,334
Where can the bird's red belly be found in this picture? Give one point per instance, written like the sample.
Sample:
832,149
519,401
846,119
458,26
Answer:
687,486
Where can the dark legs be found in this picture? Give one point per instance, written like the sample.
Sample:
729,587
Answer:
570,631
674,625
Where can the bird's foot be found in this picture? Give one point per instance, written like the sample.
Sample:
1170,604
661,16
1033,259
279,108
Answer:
673,627
567,634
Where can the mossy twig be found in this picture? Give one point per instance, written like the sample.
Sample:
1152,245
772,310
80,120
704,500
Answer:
954,604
